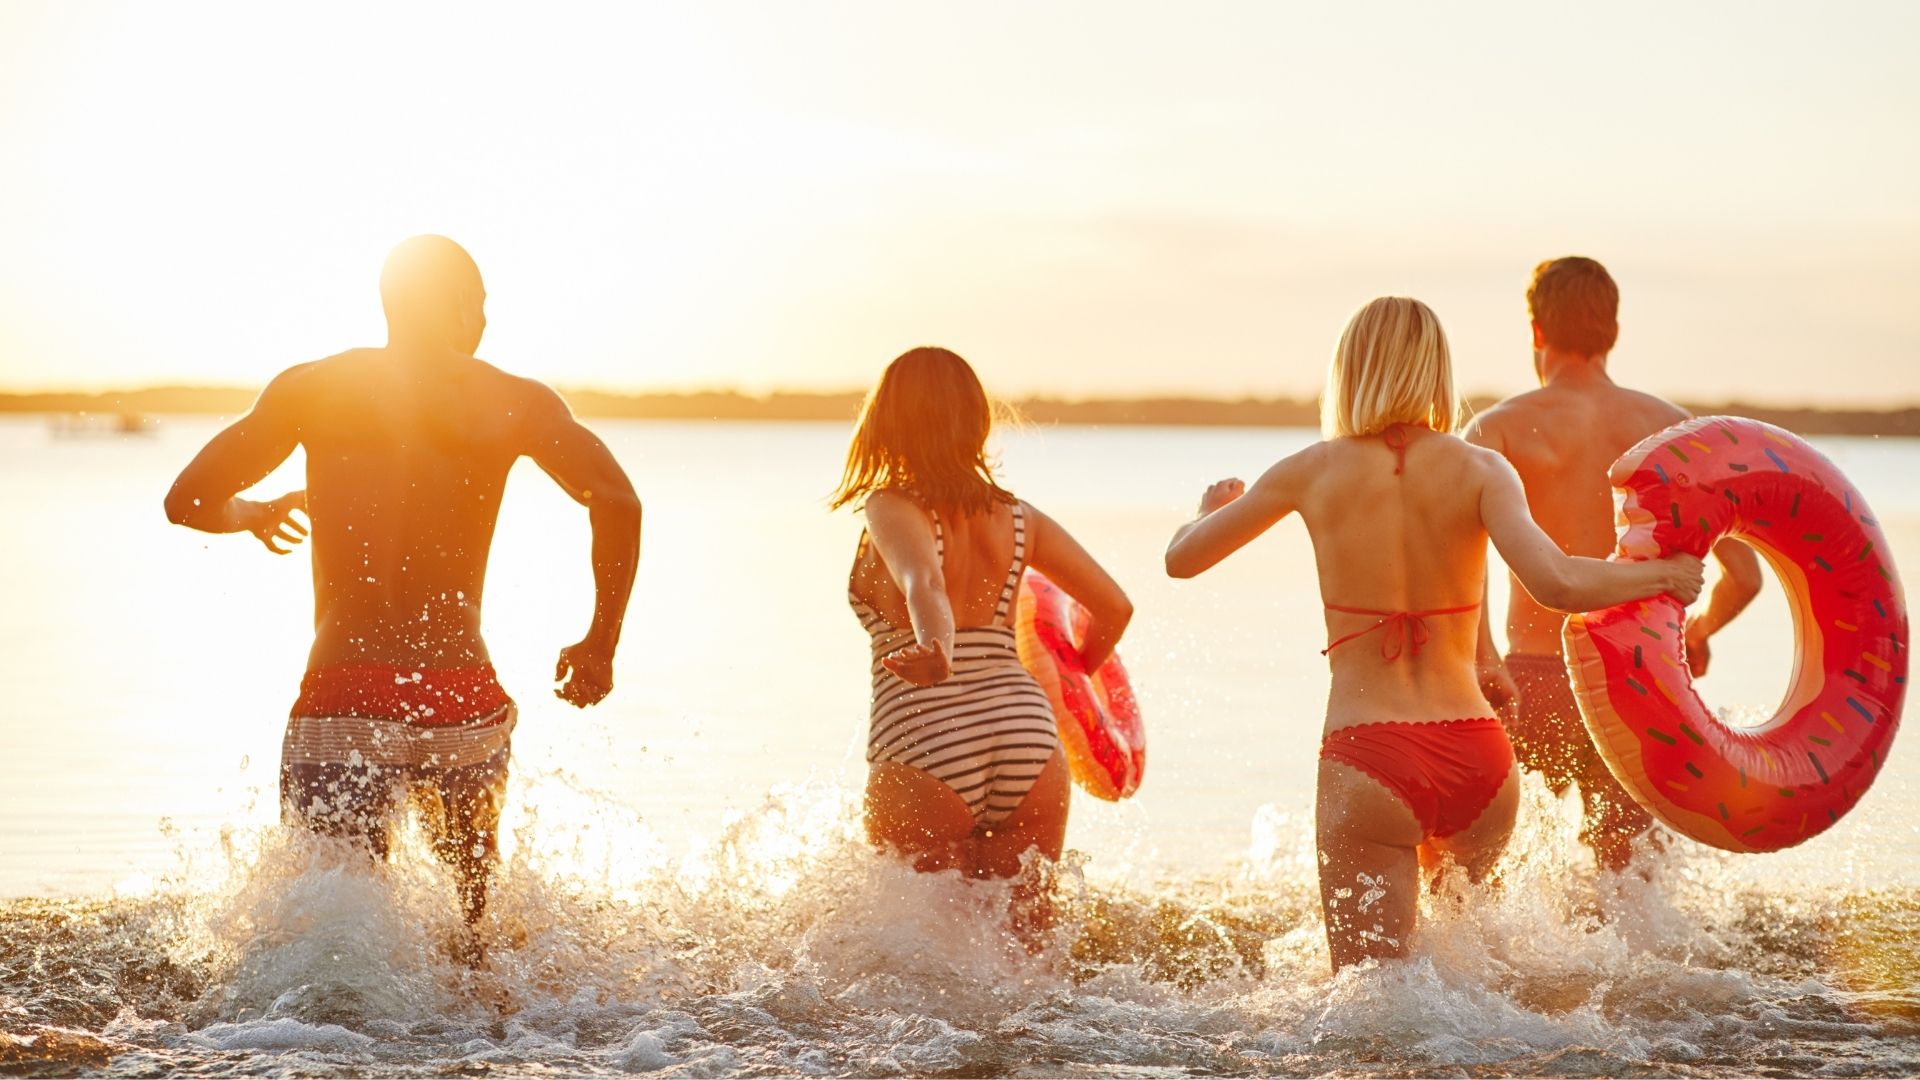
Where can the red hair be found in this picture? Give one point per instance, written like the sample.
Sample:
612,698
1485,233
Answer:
923,432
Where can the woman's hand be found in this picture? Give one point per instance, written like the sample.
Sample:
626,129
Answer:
921,663
1232,513
1221,494
1684,577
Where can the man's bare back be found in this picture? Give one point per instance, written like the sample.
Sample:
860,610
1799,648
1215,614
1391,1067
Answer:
407,453
407,457
1561,439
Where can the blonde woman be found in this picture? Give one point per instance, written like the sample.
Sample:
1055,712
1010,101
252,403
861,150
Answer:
1414,766
966,770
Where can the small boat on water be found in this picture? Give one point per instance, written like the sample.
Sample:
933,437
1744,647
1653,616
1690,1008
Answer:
91,425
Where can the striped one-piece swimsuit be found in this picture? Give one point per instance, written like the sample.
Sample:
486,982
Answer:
988,730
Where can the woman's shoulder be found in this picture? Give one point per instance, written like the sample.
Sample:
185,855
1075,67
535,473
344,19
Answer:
893,504
1306,462
894,495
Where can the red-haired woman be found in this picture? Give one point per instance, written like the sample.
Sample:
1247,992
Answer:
966,770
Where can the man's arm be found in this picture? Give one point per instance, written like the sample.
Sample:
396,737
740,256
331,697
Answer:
586,470
1739,583
1496,682
205,496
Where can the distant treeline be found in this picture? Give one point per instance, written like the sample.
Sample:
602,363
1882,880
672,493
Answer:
729,405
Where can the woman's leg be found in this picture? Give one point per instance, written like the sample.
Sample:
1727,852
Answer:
1369,866
1479,846
1038,823
918,816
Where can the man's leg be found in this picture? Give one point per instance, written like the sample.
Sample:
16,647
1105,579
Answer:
353,801
466,828
1550,737
1611,821
1545,727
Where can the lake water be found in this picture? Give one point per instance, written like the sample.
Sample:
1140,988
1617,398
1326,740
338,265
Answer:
684,888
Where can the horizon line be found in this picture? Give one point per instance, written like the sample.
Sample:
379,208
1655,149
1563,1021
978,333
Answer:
1473,399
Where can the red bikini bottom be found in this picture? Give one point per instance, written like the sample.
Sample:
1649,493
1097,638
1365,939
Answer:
1446,772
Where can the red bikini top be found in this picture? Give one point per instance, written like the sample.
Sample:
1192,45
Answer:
1404,629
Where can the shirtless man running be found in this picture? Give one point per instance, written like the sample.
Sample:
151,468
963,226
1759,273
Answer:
1562,438
407,452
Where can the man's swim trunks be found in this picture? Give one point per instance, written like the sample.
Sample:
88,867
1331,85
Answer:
1550,738
362,735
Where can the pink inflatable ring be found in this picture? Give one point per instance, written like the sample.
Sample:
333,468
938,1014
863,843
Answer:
1747,788
1098,716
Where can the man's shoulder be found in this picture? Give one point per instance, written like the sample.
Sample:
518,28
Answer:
303,380
346,366
346,358
1654,407
1516,415
524,392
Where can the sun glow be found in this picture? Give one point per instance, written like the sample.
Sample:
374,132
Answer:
680,196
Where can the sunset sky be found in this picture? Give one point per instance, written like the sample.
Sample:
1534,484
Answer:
1085,199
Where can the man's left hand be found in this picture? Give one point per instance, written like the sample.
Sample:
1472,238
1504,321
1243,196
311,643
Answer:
585,673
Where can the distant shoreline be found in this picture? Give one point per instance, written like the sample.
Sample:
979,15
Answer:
843,407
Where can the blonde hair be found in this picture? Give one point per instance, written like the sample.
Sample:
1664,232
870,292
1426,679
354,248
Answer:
1392,366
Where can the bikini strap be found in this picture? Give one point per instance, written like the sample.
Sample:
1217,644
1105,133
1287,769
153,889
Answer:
939,546
1396,439
859,556
1405,630
1012,586
939,550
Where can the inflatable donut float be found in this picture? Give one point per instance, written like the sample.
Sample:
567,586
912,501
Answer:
1098,716
1771,786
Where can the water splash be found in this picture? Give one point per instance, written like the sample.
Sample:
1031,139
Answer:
784,945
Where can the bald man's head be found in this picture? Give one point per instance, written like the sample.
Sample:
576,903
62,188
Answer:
432,292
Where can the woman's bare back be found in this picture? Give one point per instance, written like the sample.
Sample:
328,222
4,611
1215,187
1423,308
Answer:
979,549
1391,538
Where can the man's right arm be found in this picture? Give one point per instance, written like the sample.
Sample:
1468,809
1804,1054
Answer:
206,494
586,470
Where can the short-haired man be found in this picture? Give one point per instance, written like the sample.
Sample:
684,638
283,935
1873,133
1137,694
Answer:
1562,438
407,452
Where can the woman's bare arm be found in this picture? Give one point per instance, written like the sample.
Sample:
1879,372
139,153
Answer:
903,534
1232,515
1570,583
1059,556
